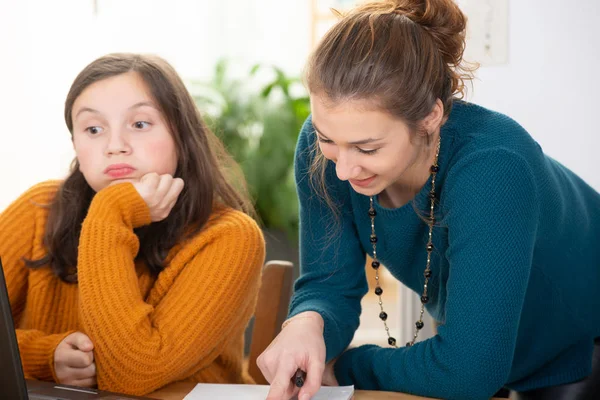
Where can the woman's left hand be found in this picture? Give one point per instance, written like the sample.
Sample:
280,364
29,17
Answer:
329,374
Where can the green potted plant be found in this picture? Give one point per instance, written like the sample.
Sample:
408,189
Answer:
259,125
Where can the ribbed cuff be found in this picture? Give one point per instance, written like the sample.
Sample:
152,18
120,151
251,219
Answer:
121,201
38,356
357,360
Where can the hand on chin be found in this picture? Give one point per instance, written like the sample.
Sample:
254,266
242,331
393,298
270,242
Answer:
122,180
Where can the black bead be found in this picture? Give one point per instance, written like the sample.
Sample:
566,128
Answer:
431,220
420,324
424,299
378,291
429,247
391,341
432,195
427,273
434,169
375,264
383,316
373,238
372,212
408,344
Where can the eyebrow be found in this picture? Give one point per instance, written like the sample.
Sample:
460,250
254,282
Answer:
358,142
136,105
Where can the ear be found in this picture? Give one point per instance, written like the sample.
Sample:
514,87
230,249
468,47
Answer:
433,120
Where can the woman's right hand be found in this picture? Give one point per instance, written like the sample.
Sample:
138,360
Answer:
299,345
74,361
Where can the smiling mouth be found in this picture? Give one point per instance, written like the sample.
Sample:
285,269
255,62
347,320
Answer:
362,182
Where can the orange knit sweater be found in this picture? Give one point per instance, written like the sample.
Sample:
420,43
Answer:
186,324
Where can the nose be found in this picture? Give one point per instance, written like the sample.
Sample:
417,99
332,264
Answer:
118,143
345,168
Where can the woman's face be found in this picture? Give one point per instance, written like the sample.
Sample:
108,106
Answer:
119,133
371,149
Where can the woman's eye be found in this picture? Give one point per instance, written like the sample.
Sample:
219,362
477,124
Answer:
362,151
322,140
93,129
141,124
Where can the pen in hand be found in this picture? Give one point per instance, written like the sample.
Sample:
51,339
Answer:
299,378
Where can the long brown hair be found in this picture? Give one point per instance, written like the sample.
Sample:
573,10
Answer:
213,180
401,55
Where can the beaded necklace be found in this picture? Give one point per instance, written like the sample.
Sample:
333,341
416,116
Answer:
429,247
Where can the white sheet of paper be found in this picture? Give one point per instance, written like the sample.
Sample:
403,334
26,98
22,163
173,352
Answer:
259,392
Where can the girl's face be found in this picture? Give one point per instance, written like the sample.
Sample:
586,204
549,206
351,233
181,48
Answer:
371,149
119,134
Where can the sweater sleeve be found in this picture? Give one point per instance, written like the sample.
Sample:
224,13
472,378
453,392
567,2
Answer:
139,347
491,213
332,280
19,228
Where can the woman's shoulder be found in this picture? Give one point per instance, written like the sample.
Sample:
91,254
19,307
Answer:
469,120
30,209
226,218
477,130
39,195
231,227
228,232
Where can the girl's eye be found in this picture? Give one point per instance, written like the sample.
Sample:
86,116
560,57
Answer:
93,129
141,124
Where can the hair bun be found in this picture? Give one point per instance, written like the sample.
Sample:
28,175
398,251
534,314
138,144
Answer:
444,21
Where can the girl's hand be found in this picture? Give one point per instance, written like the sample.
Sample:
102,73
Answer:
160,192
74,361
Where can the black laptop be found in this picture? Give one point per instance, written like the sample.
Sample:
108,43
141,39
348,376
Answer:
13,385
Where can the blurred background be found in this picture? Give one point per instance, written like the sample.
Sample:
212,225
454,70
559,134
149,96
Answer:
242,61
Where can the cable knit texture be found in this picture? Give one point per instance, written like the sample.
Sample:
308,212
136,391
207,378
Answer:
516,266
185,324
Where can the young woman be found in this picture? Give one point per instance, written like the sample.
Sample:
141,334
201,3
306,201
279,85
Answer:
457,201
142,267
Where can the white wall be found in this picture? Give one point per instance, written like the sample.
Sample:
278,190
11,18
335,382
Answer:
44,44
549,84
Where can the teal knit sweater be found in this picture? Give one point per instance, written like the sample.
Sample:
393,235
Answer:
516,266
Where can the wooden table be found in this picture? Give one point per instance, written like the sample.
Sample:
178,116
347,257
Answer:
177,391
